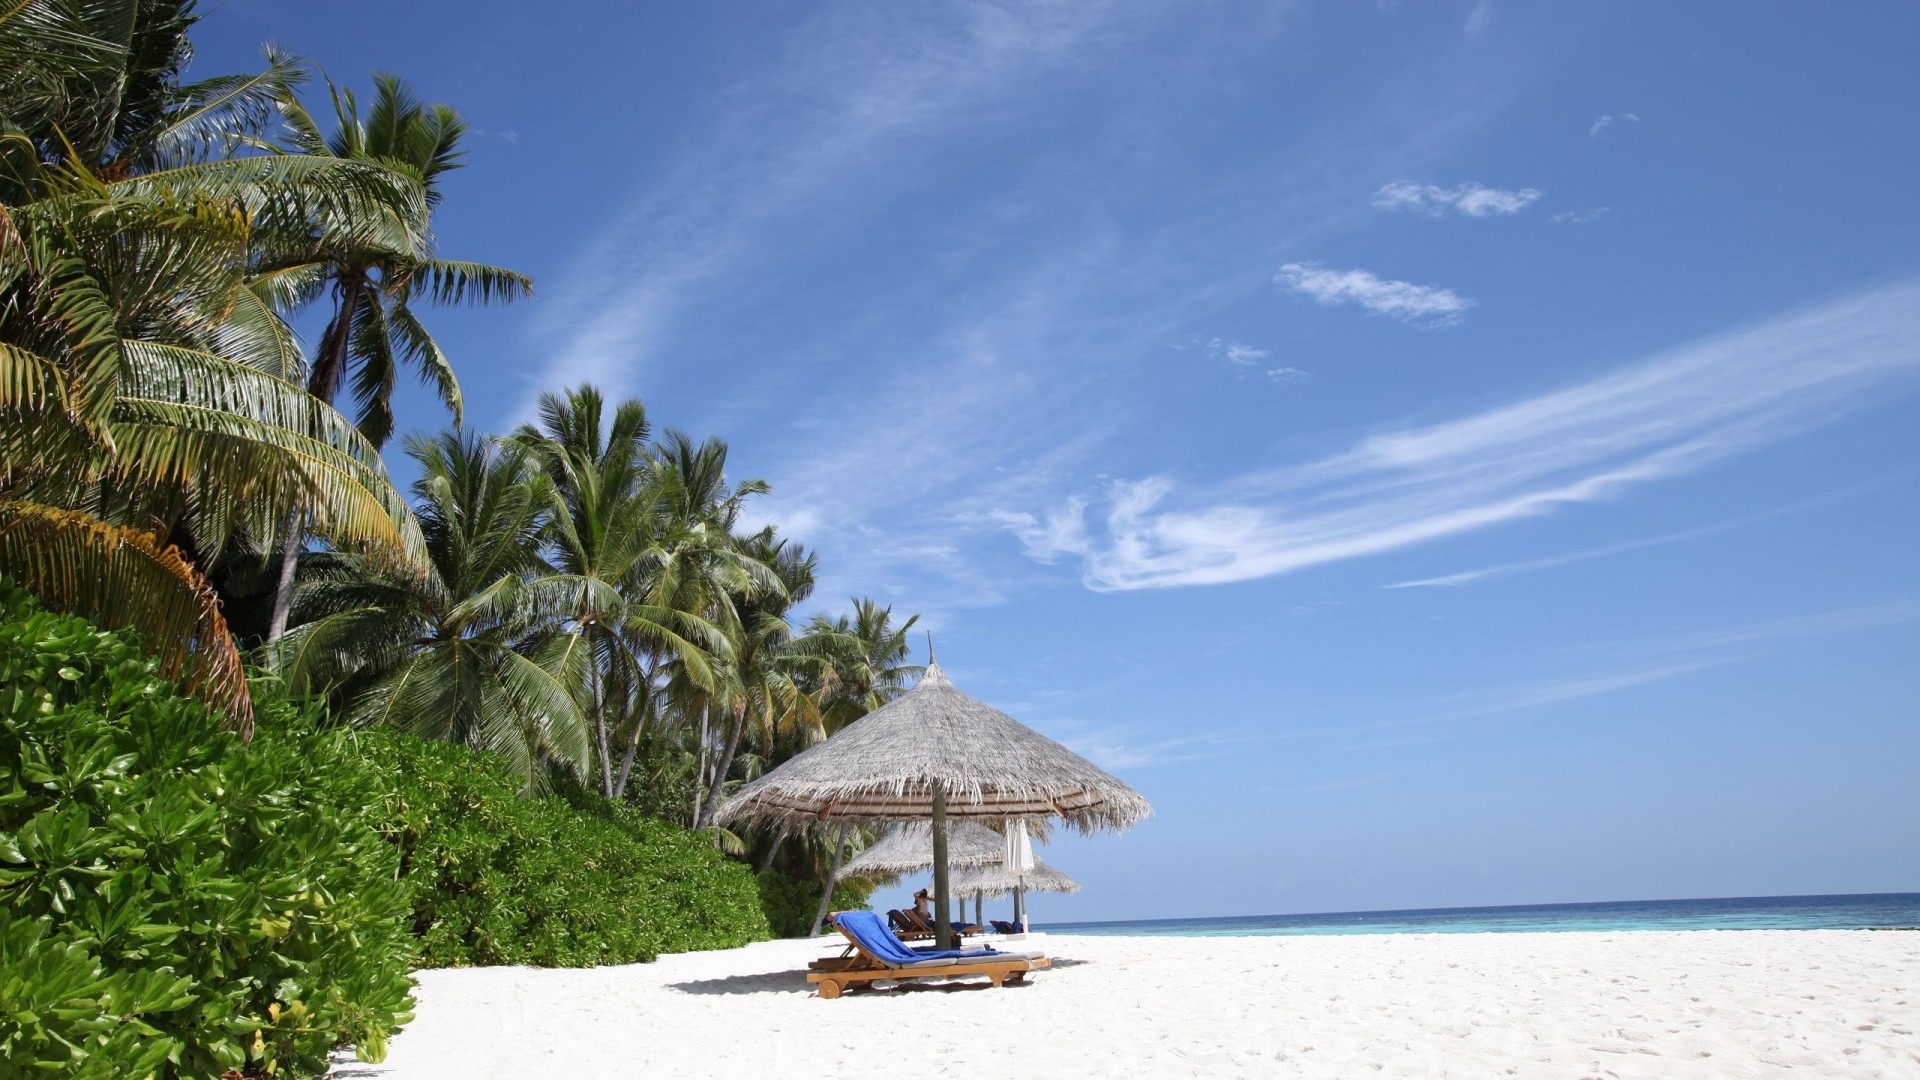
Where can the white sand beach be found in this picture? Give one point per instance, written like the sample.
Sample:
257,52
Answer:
1708,1004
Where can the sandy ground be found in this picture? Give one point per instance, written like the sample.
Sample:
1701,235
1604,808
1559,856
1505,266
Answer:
1720,1004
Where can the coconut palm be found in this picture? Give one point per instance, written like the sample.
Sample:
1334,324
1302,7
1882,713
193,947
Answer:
99,86
377,267
606,524
761,688
867,661
142,424
469,655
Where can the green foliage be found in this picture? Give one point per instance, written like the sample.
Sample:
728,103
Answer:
174,902
571,881
791,905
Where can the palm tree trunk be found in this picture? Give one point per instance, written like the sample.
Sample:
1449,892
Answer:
283,587
833,871
626,761
639,731
700,773
323,382
723,766
600,722
773,849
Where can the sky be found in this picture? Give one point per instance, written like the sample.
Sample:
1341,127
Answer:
1440,453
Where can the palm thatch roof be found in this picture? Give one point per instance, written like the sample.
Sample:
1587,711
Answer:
997,880
909,846
991,766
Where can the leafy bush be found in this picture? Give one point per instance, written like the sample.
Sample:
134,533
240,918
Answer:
791,904
172,901
557,882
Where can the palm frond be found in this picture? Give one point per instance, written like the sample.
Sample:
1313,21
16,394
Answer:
453,281
126,578
215,115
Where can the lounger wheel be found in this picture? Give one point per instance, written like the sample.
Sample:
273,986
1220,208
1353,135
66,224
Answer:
1016,977
829,989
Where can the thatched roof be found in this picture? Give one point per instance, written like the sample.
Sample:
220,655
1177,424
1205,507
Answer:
909,846
997,880
992,766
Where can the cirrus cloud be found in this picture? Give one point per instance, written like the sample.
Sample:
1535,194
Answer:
1673,414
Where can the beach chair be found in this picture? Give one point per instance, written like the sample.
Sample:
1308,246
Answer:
907,925
1002,926
919,926
849,956
880,955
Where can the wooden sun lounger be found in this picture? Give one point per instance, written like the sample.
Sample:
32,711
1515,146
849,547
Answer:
831,977
907,925
910,925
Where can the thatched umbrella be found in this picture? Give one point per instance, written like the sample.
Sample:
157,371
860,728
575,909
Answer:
998,880
908,847
935,751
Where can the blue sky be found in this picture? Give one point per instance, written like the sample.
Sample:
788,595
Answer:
1441,453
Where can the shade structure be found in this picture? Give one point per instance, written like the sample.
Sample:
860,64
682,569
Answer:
997,880
908,847
886,765
936,753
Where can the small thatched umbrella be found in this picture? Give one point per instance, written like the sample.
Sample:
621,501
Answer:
908,847
997,880
935,751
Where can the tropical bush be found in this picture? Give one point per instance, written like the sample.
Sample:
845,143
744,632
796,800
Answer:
791,905
173,901
571,880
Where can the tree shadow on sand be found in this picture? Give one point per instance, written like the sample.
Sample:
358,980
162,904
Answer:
795,982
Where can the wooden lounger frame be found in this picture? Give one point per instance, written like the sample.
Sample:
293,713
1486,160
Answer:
832,975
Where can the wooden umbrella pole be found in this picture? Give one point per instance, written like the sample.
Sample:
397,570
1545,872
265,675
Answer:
942,919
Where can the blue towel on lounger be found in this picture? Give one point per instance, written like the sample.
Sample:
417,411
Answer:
873,936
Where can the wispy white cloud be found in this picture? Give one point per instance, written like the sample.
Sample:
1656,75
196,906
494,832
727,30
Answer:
853,89
1423,304
1471,199
1237,353
1607,120
1578,217
1121,751
1765,632
892,432
1248,359
1668,416
1479,17
1528,566
1629,665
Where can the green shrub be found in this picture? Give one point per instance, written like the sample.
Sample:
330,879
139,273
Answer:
791,904
557,882
173,902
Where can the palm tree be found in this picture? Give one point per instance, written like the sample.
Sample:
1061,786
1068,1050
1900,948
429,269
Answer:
469,655
378,267
143,425
868,665
606,524
761,686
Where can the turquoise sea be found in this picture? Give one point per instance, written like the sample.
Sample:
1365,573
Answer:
1856,912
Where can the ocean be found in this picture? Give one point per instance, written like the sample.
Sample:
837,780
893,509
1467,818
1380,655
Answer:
1856,912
